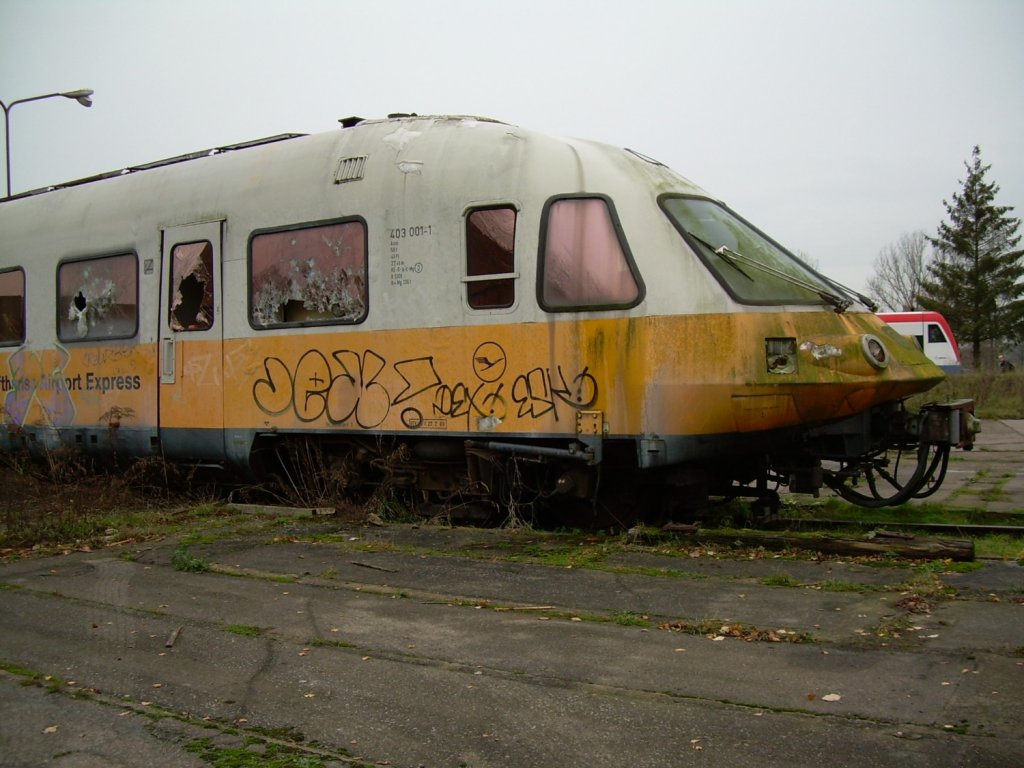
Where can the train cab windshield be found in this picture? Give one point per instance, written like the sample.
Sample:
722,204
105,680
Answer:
752,268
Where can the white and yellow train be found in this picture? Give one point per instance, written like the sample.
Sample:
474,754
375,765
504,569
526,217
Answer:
466,306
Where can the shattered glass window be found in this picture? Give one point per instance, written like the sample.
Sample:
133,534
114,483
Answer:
584,262
490,254
311,275
12,307
191,304
98,298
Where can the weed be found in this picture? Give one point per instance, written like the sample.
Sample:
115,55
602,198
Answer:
562,555
321,643
893,626
833,585
256,753
31,677
948,566
630,619
926,584
183,560
245,630
780,580
1000,546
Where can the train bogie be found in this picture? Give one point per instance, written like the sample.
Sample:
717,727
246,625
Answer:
453,305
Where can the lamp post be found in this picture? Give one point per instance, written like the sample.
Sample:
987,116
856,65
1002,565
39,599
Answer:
82,96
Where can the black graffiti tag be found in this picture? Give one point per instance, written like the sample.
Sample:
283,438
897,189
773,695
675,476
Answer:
355,392
538,392
347,387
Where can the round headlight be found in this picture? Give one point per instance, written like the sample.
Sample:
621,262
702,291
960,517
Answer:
874,350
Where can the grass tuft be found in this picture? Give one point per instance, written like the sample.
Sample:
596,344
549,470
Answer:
183,560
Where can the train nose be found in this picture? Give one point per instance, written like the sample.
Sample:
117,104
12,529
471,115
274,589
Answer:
861,354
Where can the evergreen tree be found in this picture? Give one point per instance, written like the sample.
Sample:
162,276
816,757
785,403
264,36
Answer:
975,276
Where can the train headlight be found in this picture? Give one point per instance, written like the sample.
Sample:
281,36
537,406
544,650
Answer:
875,351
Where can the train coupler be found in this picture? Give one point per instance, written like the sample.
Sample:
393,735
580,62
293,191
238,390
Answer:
953,424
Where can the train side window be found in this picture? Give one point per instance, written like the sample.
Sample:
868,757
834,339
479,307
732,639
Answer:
584,261
98,298
12,307
308,275
490,257
191,304
935,334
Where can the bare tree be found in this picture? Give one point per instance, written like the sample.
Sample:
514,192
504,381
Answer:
899,271
807,259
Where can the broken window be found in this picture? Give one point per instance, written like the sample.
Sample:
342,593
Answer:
12,307
191,305
98,298
584,262
309,275
490,257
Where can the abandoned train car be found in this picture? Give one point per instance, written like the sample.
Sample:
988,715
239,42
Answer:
464,306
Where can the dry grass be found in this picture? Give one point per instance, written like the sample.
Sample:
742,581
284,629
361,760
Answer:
65,497
996,395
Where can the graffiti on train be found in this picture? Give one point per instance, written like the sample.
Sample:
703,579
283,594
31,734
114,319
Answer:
347,387
37,378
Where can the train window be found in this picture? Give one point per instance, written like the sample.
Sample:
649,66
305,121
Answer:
584,264
752,268
935,334
97,298
12,307
191,304
490,257
308,275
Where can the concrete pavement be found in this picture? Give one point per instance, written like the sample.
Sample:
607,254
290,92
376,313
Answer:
416,646
990,477
337,645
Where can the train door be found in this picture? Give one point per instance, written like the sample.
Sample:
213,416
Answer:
191,343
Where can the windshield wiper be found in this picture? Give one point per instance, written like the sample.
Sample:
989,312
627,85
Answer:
729,256
723,253
865,300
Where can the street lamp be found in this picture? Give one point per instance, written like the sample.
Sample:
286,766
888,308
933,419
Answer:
82,96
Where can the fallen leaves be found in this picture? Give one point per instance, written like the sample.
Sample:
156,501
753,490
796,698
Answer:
719,631
913,603
827,697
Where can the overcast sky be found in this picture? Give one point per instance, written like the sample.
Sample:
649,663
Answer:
834,125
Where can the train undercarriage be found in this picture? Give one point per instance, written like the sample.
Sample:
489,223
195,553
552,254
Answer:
883,457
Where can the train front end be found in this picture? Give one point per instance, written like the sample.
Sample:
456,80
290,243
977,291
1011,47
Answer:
768,374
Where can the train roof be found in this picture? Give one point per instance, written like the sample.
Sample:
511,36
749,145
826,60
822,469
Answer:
347,124
157,164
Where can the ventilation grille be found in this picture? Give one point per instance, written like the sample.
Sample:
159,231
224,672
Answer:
350,169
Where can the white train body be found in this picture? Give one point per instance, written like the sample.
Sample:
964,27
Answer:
470,290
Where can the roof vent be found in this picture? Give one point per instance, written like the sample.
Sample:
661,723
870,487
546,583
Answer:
350,169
